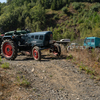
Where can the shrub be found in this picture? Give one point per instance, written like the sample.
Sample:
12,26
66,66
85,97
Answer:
64,9
95,7
77,5
67,5
57,33
56,17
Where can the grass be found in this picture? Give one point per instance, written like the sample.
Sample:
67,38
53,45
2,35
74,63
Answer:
98,78
87,62
87,70
51,75
5,66
69,57
23,82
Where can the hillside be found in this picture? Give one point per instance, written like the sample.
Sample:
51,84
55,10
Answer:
67,19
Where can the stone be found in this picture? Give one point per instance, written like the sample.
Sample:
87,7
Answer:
32,70
1,93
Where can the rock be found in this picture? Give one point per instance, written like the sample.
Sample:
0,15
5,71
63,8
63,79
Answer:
43,71
32,70
1,93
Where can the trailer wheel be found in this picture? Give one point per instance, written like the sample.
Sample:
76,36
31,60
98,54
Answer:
57,49
36,53
9,49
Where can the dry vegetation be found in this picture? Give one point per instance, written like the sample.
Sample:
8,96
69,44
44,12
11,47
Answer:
89,61
10,83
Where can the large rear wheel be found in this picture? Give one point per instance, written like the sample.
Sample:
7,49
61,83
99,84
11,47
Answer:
57,49
36,53
9,49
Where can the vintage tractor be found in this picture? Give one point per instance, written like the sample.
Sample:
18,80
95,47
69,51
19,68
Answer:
32,43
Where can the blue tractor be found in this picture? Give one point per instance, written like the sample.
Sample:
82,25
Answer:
16,41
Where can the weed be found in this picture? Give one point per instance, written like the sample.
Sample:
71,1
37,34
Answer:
69,57
87,70
98,78
5,65
38,95
92,77
19,72
23,81
18,78
34,89
51,76
62,89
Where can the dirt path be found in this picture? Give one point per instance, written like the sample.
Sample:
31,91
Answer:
52,79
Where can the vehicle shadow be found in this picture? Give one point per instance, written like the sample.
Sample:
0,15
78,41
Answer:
48,58
43,58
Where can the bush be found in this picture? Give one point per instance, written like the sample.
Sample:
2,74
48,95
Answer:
77,5
57,33
95,7
56,17
64,9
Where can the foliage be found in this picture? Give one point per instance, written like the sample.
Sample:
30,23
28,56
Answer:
95,7
64,9
78,5
79,19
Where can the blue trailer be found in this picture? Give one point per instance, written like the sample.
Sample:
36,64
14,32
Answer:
92,42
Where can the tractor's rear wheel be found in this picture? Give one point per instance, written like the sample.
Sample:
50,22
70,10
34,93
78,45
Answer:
57,49
36,53
9,49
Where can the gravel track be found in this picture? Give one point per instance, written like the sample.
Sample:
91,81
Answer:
53,79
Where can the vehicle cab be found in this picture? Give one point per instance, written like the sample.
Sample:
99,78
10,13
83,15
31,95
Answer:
92,42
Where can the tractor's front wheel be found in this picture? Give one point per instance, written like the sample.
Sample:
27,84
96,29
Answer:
36,53
9,49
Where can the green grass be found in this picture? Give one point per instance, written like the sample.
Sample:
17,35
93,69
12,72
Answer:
5,66
69,57
51,75
87,70
23,82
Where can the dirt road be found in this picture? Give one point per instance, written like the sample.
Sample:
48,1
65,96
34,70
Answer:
52,79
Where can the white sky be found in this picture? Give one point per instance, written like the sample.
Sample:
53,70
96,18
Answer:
3,1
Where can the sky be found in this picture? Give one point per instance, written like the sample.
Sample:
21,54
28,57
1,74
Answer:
3,1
